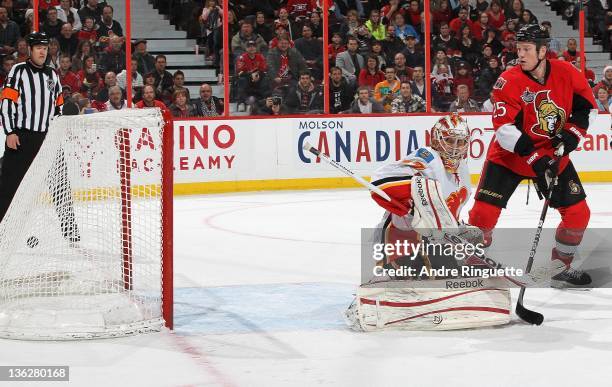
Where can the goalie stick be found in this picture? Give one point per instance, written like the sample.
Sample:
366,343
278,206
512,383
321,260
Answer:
348,172
527,315
489,262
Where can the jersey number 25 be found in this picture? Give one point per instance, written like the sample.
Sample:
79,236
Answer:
499,110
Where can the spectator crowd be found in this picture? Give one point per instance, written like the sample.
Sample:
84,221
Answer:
88,51
376,56
378,47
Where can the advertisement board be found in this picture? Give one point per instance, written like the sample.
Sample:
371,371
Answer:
251,154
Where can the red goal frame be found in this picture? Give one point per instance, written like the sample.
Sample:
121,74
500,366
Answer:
167,274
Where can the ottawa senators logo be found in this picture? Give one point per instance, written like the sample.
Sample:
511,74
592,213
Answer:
574,188
550,117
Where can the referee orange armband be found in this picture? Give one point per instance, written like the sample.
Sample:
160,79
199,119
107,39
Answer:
10,93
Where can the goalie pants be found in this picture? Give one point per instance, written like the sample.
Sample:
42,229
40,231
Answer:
16,163
498,183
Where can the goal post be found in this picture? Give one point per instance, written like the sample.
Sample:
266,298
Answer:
167,181
86,245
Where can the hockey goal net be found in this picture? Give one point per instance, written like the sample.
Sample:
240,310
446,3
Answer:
86,245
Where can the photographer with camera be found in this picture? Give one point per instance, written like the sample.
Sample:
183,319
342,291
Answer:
272,107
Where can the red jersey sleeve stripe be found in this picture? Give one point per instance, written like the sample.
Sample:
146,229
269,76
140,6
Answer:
400,191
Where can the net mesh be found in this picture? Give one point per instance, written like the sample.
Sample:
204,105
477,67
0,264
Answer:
81,244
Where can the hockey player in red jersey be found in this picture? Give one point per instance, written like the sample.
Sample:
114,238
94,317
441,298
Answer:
539,105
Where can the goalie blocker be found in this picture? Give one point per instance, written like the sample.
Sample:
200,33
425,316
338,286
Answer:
432,184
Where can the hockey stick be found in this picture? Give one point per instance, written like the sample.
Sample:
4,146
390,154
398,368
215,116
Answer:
527,315
352,174
489,262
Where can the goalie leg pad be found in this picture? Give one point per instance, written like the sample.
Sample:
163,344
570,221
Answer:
429,309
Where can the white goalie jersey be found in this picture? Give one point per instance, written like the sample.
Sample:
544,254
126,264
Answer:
396,180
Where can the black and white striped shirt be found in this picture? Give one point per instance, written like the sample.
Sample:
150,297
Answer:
31,97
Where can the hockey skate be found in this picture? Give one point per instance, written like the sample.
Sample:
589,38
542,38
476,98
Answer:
564,275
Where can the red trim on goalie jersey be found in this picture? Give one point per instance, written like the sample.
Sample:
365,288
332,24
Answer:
397,188
433,208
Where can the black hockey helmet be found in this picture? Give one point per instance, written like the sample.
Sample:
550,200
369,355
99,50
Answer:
37,38
533,33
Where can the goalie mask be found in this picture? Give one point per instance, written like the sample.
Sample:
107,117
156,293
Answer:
450,137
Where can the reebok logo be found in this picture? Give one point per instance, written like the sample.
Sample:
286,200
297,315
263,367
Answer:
476,283
424,201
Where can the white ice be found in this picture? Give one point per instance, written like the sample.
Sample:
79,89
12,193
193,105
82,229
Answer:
262,280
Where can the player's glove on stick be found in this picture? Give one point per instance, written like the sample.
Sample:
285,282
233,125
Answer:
545,168
570,137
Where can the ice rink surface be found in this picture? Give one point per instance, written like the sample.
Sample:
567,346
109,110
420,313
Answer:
263,278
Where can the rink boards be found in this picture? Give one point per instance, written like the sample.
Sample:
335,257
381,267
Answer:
250,154
257,153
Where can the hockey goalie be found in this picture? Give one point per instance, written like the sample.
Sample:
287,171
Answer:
428,189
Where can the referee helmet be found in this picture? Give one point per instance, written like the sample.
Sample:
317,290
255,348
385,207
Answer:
37,38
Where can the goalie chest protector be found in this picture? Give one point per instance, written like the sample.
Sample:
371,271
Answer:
426,162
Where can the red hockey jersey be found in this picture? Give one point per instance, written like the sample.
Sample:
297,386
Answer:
248,64
301,8
523,105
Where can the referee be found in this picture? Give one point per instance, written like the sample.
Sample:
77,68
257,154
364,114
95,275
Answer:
32,96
